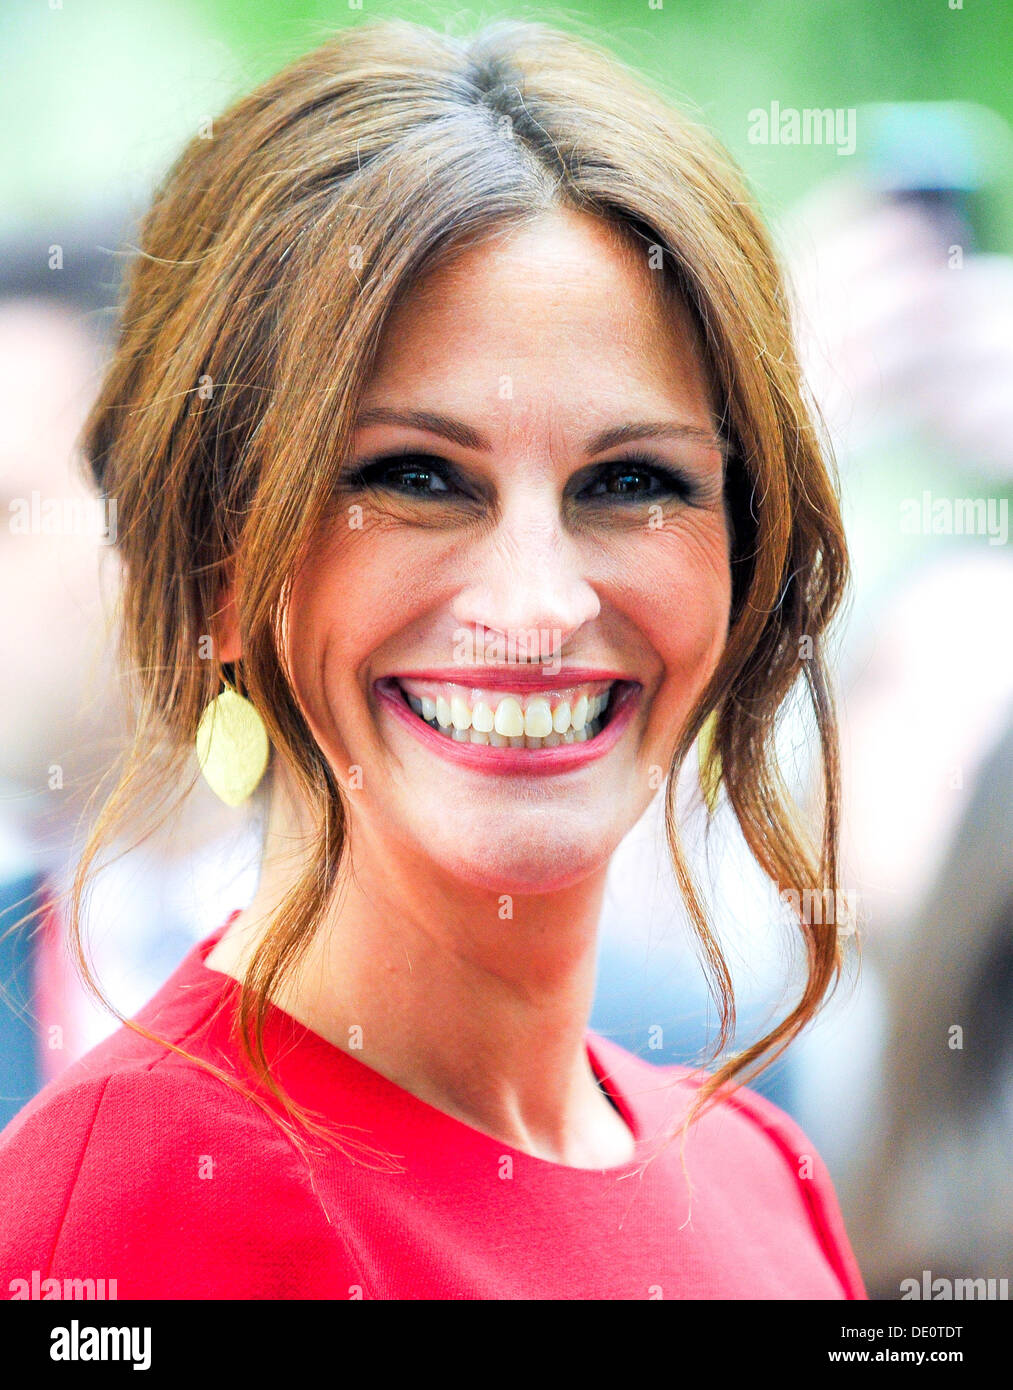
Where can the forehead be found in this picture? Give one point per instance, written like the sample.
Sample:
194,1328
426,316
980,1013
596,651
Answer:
563,307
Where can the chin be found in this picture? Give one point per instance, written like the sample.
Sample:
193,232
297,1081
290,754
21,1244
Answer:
513,867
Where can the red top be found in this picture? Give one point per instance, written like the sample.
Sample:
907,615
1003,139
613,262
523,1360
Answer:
137,1165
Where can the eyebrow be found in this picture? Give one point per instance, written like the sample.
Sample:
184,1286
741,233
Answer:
460,433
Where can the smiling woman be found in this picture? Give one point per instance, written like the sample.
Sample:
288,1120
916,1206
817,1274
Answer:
455,425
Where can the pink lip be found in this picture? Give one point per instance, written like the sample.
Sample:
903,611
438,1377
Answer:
512,677
533,761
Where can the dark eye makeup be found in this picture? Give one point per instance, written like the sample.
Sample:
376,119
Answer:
635,478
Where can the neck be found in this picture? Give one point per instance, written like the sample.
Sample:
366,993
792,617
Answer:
474,1001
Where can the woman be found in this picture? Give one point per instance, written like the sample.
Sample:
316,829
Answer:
455,430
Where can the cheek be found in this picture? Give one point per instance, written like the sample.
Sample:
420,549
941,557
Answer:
350,596
685,602
322,623
702,589
677,584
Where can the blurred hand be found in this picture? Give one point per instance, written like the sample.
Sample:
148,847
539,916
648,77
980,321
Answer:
897,328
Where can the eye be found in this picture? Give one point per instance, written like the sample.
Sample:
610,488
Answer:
636,478
408,472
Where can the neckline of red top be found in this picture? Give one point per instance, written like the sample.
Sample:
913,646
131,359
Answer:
299,1034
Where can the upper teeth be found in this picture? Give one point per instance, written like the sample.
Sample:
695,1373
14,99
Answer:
556,716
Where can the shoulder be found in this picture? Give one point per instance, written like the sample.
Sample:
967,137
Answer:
161,1177
122,1107
661,1093
811,1177
746,1146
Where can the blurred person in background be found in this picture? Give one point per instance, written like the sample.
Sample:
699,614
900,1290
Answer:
906,324
59,719
62,719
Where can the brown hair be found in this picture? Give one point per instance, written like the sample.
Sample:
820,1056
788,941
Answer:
269,261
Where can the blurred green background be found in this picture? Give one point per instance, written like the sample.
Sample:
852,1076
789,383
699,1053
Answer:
99,94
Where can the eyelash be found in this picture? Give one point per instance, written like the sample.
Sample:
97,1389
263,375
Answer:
673,482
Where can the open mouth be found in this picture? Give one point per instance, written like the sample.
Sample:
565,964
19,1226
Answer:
532,720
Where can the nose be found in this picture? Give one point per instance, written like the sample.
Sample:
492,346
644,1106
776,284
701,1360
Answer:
528,579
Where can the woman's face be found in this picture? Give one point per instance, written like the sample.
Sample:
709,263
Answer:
511,569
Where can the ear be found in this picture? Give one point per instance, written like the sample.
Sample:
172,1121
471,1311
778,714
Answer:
228,647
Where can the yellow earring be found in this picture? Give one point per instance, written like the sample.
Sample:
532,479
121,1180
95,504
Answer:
232,747
709,762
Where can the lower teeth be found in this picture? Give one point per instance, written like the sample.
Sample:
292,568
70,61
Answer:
495,740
